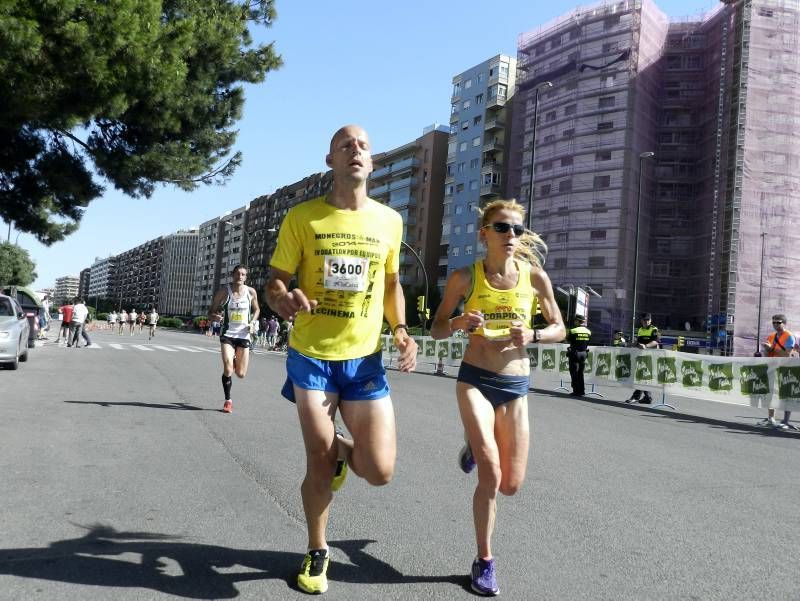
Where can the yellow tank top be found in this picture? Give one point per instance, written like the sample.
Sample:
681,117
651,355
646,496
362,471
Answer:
501,307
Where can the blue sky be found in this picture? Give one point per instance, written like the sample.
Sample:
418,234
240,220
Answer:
386,66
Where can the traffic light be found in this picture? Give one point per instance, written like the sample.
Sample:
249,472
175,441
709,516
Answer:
420,304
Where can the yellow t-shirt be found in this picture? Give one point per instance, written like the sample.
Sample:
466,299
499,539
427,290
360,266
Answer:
341,258
501,307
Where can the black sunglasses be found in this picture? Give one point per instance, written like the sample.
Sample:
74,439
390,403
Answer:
502,227
777,323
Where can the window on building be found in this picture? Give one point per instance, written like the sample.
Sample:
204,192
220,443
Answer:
562,237
470,228
610,47
473,184
455,251
477,120
570,109
479,99
453,128
476,141
545,165
607,81
611,21
459,189
602,155
605,102
456,230
597,235
550,116
549,138
449,189
597,261
599,207
560,262
454,109
603,125
466,105
566,161
503,72
464,125
460,167
568,133
468,84
462,147
474,163
481,77
602,181
451,147
468,249
456,89
565,185
544,190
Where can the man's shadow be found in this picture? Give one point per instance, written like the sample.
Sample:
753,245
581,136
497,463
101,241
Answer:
179,406
185,569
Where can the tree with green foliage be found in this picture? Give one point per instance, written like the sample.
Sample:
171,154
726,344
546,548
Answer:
132,92
16,266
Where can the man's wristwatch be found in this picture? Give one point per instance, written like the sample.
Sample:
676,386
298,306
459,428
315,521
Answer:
536,336
399,326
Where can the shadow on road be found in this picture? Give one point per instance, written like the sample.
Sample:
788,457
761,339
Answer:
184,569
180,406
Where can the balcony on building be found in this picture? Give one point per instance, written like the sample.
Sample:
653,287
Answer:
493,145
495,123
496,102
395,168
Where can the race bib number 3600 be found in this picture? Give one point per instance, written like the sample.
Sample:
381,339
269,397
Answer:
346,273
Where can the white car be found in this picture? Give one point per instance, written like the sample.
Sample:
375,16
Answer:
14,330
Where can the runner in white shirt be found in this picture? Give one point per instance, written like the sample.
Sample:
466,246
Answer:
132,320
152,321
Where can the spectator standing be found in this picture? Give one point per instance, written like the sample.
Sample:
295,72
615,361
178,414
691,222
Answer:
272,333
647,337
578,338
780,343
79,315
619,339
66,319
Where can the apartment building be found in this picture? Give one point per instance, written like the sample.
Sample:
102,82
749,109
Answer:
222,245
177,273
410,179
137,279
673,138
477,151
66,289
101,279
83,282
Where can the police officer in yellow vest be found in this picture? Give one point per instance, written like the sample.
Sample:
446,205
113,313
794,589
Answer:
619,339
578,338
647,337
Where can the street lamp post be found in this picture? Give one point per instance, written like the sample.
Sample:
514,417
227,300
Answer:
642,158
760,294
546,84
423,317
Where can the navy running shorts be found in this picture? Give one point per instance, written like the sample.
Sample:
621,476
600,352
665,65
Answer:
497,388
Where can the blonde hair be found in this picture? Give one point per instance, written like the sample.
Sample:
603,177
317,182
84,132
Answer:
531,248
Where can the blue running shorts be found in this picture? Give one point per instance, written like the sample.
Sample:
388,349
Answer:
497,388
362,379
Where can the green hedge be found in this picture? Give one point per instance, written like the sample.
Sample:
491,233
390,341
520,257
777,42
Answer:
170,322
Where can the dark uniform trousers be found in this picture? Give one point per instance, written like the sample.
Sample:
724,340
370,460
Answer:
578,338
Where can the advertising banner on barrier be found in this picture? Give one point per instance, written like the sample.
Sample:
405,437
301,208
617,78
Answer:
753,381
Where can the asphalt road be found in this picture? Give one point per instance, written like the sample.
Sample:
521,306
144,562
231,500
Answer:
120,479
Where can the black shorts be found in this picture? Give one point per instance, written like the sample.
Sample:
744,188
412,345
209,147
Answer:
235,342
